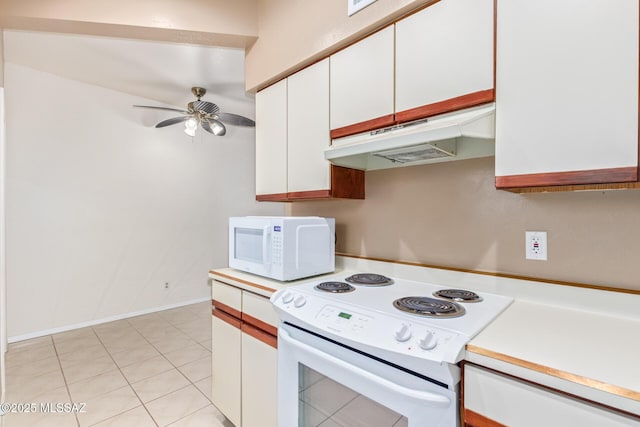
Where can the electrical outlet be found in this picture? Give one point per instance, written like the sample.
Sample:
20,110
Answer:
166,285
536,245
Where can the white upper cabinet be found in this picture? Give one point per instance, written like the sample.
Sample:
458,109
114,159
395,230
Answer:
444,53
437,60
271,139
362,81
292,132
308,129
566,92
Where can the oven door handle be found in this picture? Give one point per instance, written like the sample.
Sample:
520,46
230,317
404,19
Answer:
436,400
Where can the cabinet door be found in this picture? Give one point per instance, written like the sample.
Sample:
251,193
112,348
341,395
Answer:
271,140
308,129
362,85
444,58
226,369
510,402
566,92
259,383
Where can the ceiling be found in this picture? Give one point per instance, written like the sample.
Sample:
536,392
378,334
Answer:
159,71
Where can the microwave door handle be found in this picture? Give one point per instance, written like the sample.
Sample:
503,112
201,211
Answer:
425,396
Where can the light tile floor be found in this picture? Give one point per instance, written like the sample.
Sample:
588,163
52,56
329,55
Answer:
151,370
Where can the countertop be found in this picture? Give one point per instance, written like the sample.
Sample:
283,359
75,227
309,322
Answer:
256,284
561,337
586,354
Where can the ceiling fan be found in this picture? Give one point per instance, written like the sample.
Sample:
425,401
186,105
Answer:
203,113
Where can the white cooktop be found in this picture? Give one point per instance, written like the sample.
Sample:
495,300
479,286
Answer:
367,319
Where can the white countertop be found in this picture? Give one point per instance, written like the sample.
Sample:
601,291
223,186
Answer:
562,337
590,355
256,284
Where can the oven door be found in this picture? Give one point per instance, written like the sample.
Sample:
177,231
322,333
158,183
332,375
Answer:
320,381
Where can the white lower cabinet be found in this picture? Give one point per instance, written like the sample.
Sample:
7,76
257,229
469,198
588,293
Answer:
244,357
259,383
226,369
493,399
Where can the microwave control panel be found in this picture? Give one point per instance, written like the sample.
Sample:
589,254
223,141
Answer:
276,248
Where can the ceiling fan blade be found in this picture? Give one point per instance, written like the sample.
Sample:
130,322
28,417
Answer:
162,108
172,121
235,119
214,127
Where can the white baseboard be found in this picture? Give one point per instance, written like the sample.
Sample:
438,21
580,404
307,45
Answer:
103,320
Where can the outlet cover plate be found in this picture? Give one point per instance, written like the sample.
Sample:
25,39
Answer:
536,245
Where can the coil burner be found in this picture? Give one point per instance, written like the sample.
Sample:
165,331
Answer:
458,295
335,287
429,307
369,279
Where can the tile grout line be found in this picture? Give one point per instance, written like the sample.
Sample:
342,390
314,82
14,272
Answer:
126,379
144,404
124,326
64,377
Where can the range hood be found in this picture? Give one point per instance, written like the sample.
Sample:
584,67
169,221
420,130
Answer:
463,134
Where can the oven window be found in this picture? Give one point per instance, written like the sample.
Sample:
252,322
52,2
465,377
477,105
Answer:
248,244
325,402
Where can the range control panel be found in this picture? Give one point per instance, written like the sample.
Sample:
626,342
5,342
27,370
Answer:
399,333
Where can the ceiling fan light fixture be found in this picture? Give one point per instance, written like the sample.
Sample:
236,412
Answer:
218,128
190,126
204,114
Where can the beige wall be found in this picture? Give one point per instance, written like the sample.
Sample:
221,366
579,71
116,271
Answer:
295,33
1,58
449,214
209,22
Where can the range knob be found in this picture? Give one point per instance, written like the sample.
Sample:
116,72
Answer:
299,301
429,341
403,334
287,297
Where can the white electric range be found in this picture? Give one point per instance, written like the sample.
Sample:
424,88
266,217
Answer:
395,342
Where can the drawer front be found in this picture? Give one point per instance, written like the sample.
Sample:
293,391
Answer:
259,308
511,402
227,295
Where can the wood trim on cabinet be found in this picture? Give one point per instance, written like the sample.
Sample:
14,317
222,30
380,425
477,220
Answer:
473,419
552,390
453,104
306,195
347,183
230,311
586,187
260,335
227,318
578,379
365,126
259,324
598,176
276,197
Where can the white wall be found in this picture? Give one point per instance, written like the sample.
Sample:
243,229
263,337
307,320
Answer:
102,208
3,283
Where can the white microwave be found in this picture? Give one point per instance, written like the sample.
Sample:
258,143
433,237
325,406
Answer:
282,248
